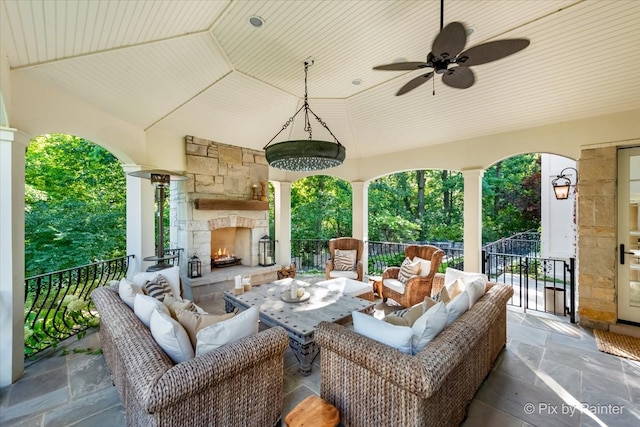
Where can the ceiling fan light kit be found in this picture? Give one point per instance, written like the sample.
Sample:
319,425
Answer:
305,155
448,59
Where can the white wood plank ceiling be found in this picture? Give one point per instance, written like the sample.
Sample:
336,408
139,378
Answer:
199,68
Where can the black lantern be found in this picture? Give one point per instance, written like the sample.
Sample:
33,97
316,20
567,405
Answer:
562,184
195,267
266,250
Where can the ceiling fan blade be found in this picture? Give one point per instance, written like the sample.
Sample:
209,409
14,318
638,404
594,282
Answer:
491,51
450,41
414,83
459,77
402,66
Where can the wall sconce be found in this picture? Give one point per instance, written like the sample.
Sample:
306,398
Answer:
562,184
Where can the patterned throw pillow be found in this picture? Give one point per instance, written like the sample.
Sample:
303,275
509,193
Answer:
344,260
407,316
408,269
174,304
157,288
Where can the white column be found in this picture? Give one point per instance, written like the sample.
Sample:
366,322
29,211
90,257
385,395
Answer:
12,155
282,201
360,217
140,219
473,219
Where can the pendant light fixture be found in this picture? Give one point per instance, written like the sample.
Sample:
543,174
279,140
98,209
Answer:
303,155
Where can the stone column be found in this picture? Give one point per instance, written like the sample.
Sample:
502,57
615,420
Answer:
360,217
12,160
597,239
473,219
282,200
140,219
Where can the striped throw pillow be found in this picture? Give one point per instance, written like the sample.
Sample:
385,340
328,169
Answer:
344,260
408,269
157,288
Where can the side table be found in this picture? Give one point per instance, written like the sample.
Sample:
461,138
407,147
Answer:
376,281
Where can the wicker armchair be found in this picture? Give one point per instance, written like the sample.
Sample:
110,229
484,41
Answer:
345,243
416,288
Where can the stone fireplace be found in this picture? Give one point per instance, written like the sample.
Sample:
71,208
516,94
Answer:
215,212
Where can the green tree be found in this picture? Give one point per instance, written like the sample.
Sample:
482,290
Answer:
74,204
320,208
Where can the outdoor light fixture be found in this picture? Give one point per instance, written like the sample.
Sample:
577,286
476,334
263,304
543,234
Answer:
305,155
562,184
160,180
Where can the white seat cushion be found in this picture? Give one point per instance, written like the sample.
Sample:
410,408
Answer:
425,266
428,326
395,285
144,305
171,274
218,334
127,291
348,274
346,286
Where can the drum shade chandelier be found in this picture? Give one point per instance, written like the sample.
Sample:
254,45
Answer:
303,155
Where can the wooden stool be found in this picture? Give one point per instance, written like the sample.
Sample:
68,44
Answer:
313,412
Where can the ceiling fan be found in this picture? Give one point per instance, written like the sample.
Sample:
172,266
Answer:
447,58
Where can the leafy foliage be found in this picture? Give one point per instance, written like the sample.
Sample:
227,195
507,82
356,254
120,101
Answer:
74,204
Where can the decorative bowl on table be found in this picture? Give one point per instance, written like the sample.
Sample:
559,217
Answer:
286,296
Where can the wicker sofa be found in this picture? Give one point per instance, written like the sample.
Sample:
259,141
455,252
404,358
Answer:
374,384
239,384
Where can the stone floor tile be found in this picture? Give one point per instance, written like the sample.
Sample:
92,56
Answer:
88,373
110,417
596,384
535,404
28,408
545,322
528,334
482,415
40,385
312,381
31,422
45,364
82,408
588,360
582,342
557,376
520,360
609,410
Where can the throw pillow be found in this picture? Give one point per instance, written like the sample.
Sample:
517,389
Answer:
157,287
240,326
143,306
398,337
344,260
171,274
127,291
451,275
408,269
174,304
406,317
447,294
428,326
425,266
171,337
476,289
193,322
457,307
429,302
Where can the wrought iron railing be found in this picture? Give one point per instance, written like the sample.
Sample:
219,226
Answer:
540,284
526,243
387,254
310,254
58,304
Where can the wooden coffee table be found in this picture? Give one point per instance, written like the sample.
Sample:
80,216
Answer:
299,319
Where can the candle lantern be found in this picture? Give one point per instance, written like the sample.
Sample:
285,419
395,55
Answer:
265,251
194,267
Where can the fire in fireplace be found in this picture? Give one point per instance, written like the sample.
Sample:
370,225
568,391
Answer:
222,258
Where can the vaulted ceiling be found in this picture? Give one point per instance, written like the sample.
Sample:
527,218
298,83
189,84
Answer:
200,68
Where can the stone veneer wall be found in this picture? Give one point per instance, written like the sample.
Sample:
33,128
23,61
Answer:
597,306
216,171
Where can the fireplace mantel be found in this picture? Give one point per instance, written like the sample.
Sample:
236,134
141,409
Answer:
239,205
